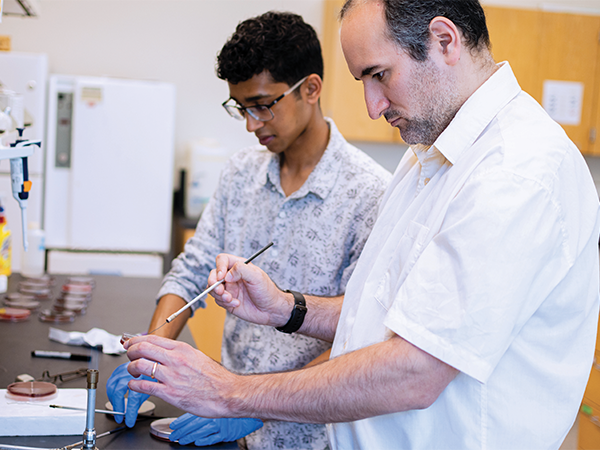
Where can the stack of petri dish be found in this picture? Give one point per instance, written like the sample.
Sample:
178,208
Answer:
73,300
75,295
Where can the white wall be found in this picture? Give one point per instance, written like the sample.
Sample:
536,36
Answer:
175,41
167,40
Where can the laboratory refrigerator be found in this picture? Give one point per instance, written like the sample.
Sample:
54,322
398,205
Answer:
108,175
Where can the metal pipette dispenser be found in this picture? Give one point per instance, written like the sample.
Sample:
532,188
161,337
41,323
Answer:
89,435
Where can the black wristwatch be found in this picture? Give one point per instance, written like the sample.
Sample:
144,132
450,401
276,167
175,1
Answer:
298,313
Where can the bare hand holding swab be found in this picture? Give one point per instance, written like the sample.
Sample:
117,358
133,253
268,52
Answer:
207,291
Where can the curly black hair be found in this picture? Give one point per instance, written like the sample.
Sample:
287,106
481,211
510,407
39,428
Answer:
279,42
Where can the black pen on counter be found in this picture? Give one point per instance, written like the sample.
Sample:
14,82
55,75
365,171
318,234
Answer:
60,355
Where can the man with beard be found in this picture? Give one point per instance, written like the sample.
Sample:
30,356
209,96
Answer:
470,319
304,188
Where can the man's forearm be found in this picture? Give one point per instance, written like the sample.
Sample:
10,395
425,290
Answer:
388,377
322,316
167,305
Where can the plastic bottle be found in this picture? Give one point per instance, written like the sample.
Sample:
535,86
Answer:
5,246
34,259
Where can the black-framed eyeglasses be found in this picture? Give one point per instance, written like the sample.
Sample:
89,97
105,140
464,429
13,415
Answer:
262,113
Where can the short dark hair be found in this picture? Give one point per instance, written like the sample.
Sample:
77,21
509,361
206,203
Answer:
279,42
408,22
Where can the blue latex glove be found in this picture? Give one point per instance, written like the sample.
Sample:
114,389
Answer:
116,388
189,428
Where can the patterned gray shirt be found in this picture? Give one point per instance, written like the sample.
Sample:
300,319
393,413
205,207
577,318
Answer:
318,233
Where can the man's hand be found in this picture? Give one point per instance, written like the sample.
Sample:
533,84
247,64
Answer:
186,377
249,293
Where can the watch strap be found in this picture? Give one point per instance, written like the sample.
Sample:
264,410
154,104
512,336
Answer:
298,313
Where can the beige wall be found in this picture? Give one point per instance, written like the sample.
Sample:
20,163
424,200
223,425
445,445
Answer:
577,6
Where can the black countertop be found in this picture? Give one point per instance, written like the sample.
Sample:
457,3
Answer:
119,304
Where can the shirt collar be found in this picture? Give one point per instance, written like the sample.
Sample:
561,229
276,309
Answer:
477,113
323,177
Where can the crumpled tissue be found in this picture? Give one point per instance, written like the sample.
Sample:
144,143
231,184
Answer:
96,337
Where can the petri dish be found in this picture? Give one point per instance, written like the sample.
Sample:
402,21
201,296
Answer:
18,296
159,429
77,308
31,391
82,280
77,289
38,294
74,297
24,302
49,315
31,305
46,280
28,287
14,314
71,299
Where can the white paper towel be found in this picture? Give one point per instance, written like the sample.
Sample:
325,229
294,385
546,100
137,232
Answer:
96,337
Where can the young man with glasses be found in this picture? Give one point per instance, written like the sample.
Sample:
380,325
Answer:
309,192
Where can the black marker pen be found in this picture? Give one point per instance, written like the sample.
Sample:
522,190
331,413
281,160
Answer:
60,355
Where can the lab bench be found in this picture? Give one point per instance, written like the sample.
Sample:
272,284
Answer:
119,304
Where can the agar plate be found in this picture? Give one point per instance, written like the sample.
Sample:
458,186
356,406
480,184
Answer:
25,302
76,288
48,315
74,297
45,280
159,429
14,314
82,280
31,391
75,307
35,289
17,296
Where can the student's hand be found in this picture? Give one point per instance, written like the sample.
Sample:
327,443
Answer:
249,293
117,387
189,428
